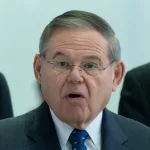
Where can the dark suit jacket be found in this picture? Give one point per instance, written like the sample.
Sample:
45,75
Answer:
135,95
36,131
5,100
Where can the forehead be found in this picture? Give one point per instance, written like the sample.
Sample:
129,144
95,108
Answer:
77,41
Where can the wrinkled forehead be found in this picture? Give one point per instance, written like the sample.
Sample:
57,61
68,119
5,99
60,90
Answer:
79,41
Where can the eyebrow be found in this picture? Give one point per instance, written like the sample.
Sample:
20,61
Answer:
94,57
56,54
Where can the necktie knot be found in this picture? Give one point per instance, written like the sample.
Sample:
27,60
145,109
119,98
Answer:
78,137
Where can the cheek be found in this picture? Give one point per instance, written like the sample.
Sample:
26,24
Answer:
48,80
97,95
100,92
93,85
60,80
100,87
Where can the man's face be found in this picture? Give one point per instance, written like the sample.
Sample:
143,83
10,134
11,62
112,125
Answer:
76,97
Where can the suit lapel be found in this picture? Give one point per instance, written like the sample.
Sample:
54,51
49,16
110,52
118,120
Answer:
113,137
42,133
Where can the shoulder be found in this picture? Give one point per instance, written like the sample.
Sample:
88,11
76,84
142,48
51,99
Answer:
139,74
17,125
140,70
136,135
3,82
2,78
15,132
132,128
1,75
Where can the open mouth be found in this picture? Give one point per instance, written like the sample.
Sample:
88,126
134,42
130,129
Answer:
75,96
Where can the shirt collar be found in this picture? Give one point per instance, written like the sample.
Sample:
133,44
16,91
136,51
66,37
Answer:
64,130
94,130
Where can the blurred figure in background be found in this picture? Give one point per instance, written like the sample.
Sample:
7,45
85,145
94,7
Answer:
135,95
5,99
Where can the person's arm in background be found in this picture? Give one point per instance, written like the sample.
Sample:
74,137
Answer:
5,99
133,102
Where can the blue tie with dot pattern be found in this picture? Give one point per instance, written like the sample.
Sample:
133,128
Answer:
77,139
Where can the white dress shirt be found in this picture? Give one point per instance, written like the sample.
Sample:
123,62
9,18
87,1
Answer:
64,130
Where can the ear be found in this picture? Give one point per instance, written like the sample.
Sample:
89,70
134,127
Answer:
37,68
118,74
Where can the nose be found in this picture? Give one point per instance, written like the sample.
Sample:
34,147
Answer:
75,75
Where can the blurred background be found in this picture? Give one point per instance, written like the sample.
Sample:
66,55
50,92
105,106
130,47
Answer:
21,25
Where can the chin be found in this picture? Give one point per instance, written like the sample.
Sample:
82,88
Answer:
77,118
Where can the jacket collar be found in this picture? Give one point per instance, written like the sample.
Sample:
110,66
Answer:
42,133
112,135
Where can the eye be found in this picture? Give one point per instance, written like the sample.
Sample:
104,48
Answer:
62,64
90,66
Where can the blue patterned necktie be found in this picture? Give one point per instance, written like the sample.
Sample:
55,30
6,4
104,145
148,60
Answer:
77,139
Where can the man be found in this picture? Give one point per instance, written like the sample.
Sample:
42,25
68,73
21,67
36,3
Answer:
135,95
5,99
78,67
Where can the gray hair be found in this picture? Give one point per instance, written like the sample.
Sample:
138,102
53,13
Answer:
82,19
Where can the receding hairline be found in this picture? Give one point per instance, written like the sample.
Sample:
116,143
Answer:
82,19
